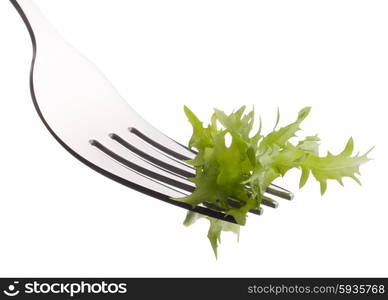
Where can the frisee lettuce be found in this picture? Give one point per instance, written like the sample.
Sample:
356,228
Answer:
243,170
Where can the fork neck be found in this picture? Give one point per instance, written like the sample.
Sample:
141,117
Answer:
37,24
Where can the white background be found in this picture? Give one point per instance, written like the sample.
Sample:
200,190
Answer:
59,218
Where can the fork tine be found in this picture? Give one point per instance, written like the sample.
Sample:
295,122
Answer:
258,212
280,192
160,146
269,202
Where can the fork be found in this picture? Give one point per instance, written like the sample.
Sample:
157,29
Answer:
88,117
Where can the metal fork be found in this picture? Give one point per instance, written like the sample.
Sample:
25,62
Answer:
86,115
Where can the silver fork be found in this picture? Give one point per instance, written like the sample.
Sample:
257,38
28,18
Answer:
86,115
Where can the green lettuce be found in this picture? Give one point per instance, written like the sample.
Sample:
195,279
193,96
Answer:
232,178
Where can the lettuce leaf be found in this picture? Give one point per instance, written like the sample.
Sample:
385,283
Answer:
243,170
215,229
334,167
